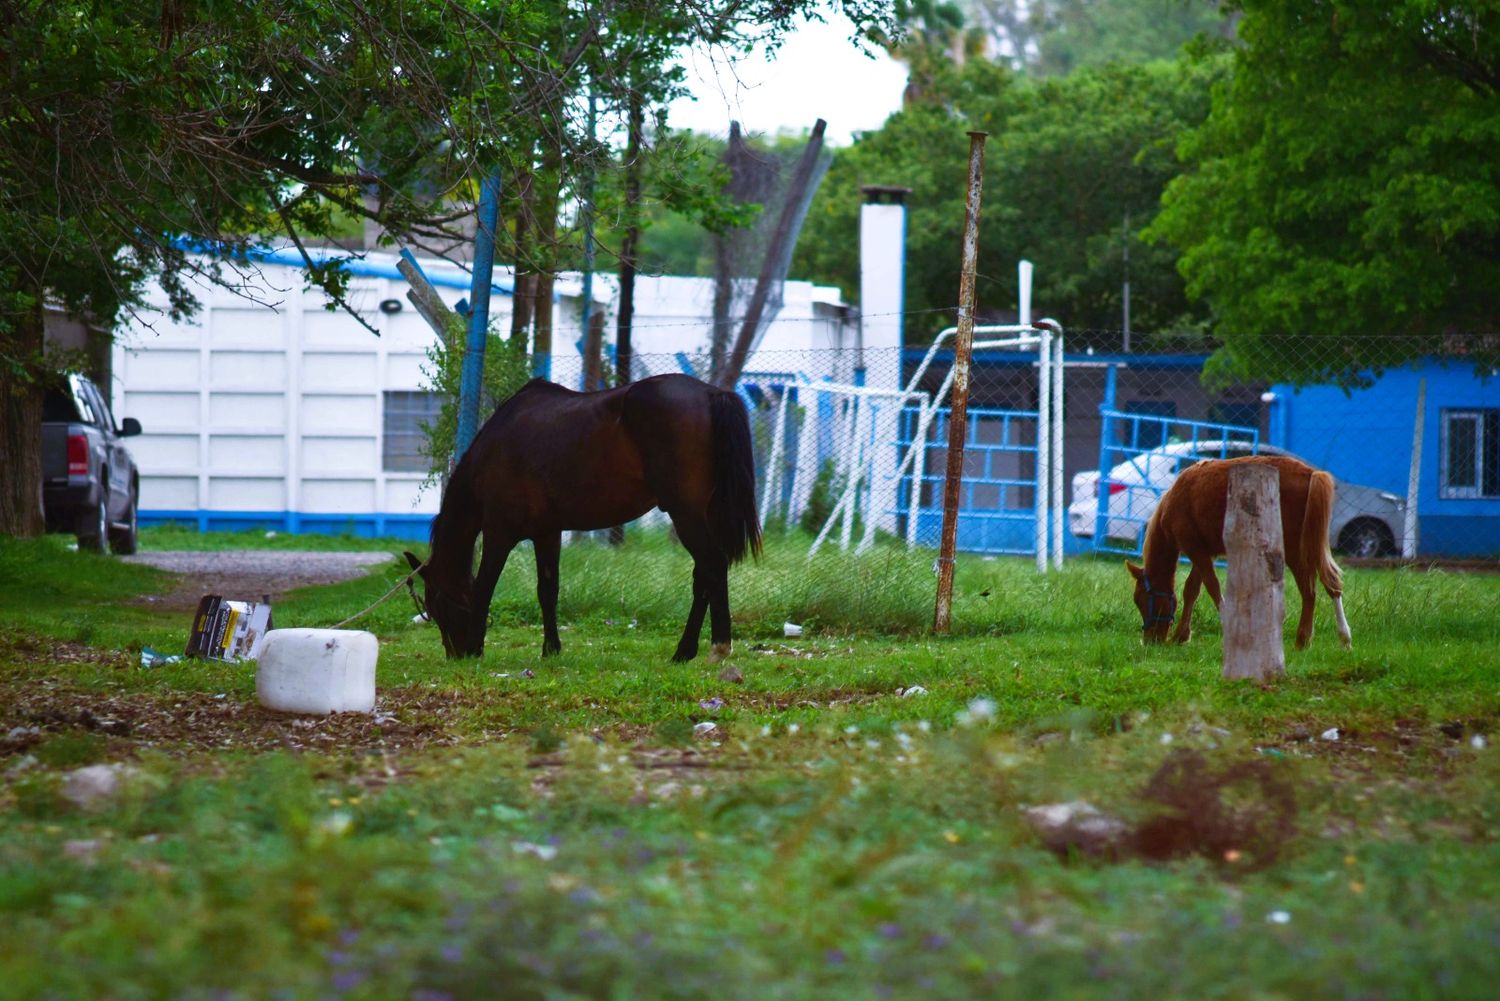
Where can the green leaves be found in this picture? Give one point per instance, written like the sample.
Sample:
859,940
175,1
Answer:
1074,168
1341,210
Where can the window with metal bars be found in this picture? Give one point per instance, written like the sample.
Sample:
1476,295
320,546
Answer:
406,413
1470,444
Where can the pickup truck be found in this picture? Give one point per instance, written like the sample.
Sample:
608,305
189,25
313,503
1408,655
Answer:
90,485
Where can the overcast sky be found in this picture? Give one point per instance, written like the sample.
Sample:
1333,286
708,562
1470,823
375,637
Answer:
817,73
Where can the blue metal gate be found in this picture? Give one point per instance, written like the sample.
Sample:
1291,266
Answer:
1140,456
997,505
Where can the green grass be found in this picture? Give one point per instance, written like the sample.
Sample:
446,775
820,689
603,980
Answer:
554,826
177,536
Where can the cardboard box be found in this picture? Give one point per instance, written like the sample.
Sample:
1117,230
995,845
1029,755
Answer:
228,630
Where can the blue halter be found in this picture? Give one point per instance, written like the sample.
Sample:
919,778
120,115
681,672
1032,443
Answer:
1167,598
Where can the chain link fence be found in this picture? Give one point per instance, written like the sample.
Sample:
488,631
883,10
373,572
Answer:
851,454
851,445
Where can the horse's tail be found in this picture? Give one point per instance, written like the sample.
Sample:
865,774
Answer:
1315,518
731,510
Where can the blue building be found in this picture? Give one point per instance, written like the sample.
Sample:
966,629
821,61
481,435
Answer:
1365,436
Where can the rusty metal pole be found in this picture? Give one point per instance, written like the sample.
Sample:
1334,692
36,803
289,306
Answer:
958,414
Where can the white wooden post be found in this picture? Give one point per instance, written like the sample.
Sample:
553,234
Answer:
1414,477
1254,592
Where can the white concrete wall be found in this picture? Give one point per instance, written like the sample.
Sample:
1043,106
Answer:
266,404
269,403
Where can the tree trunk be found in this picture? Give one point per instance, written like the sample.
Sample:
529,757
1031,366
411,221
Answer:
623,352
1254,593
550,180
624,356
593,353
21,428
521,298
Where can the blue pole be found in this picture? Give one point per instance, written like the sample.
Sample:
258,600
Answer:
479,314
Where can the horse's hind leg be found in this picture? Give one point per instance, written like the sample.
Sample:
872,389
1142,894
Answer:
548,557
687,647
710,588
1343,623
718,608
1305,586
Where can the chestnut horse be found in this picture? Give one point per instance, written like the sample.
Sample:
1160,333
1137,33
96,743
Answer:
1189,522
551,460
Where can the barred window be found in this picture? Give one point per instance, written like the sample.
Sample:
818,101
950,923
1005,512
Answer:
405,414
1470,453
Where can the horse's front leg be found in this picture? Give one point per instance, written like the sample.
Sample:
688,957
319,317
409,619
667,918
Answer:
1201,576
548,558
1184,631
687,647
491,565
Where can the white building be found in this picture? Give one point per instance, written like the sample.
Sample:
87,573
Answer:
269,410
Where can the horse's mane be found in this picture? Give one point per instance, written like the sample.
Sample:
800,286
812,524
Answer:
1152,528
458,508
455,511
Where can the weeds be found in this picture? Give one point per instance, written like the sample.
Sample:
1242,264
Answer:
557,828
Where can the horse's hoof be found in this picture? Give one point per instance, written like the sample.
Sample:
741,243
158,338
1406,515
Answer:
683,656
718,652
551,649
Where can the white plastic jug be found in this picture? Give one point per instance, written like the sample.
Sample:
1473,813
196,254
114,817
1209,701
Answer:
317,671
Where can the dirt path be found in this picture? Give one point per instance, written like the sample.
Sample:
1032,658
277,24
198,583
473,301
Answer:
248,574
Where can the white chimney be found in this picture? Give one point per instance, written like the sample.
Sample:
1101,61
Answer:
882,279
882,283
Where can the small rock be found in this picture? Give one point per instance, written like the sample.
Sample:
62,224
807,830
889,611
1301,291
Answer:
85,850
544,852
1455,729
731,675
95,786
712,705
1279,918
913,690
1332,733
1077,826
1478,742
1299,733
707,726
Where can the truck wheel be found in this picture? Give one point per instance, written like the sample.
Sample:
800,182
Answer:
93,528
123,542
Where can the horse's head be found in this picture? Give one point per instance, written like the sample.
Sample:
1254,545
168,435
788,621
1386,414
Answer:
446,604
1157,605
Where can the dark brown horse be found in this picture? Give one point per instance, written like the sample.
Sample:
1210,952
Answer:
551,460
1189,522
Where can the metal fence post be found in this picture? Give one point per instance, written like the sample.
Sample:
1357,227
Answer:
958,422
1106,439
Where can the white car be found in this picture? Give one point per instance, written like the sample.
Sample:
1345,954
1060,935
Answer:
1366,522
